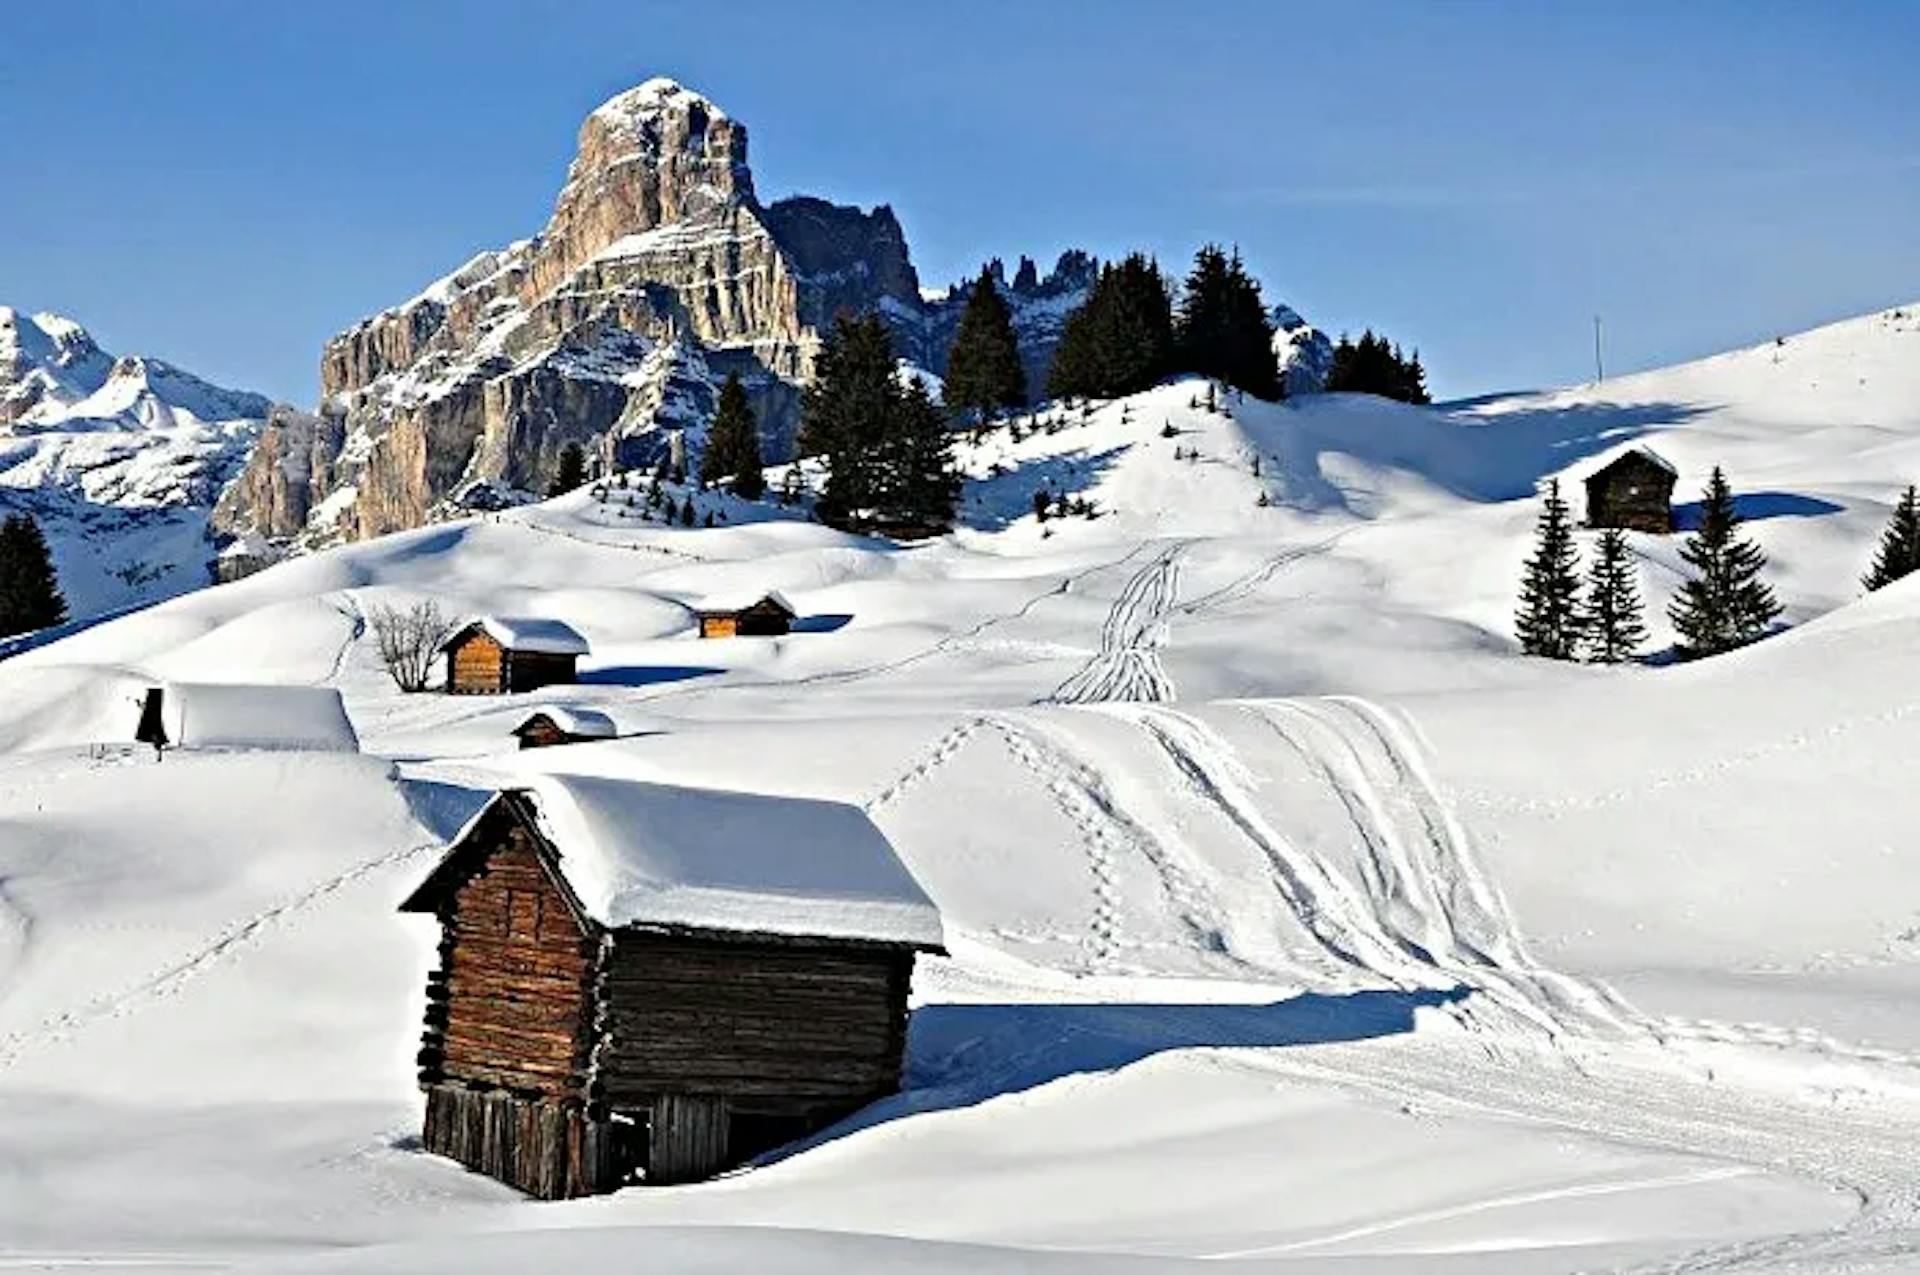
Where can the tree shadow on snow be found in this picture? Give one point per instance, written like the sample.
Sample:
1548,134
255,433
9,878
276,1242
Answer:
963,1055
996,501
645,674
1758,506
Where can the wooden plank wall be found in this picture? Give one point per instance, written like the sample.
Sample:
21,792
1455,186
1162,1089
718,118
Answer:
767,1027
548,1149
687,1141
515,969
531,670
476,666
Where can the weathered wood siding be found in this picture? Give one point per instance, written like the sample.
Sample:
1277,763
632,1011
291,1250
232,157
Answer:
531,670
548,1149
540,732
718,626
1633,494
765,1026
512,992
476,665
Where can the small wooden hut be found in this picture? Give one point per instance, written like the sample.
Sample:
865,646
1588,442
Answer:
556,725
1633,491
771,616
498,655
646,982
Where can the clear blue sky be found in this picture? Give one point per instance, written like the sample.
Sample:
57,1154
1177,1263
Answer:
226,184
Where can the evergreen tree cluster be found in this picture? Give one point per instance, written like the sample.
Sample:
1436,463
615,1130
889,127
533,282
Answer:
890,464
1554,621
1374,365
984,374
1899,552
30,595
733,444
1120,340
1222,330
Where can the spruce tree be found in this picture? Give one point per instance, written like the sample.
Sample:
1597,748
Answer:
1120,340
845,415
920,484
1374,365
733,443
984,373
1899,553
1614,631
571,471
30,595
1548,623
1725,604
1223,331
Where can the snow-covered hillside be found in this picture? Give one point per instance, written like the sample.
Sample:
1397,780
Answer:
1297,923
121,460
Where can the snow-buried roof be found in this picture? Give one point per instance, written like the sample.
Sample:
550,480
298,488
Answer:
237,715
1609,460
525,633
663,856
589,723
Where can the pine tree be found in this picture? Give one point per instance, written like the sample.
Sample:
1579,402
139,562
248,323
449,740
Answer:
983,367
1548,623
1614,630
1374,365
1899,554
571,472
1223,330
733,443
1120,340
845,414
920,484
30,595
1725,604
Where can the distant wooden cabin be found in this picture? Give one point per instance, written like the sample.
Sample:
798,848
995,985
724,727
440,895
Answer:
238,715
552,726
1633,492
652,983
771,616
498,655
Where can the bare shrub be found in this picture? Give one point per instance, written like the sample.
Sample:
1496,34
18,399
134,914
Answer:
409,641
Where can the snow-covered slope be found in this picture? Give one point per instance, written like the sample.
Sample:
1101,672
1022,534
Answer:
120,459
1296,922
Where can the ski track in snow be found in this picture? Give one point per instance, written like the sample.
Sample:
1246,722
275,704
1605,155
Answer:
1127,666
209,952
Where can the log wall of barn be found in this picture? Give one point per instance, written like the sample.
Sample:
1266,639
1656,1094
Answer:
767,1027
509,1006
476,665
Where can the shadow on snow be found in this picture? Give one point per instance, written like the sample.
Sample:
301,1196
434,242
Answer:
645,674
1758,506
962,1055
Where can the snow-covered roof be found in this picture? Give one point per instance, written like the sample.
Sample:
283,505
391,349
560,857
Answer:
240,715
588,722
1608,461
525,633
658,855
772,595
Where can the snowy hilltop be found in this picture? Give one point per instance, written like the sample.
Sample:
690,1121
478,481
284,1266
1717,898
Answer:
120,459
660,272
1294,919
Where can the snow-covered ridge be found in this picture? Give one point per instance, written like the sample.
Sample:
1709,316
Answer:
120,459
650,97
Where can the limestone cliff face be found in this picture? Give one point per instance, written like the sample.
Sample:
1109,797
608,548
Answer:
658,272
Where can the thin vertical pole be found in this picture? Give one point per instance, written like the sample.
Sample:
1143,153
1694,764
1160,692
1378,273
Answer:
1599,371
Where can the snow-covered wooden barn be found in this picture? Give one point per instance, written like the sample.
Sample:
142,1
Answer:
501,654
771,616
641,981
1633,491
558,725
234,715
